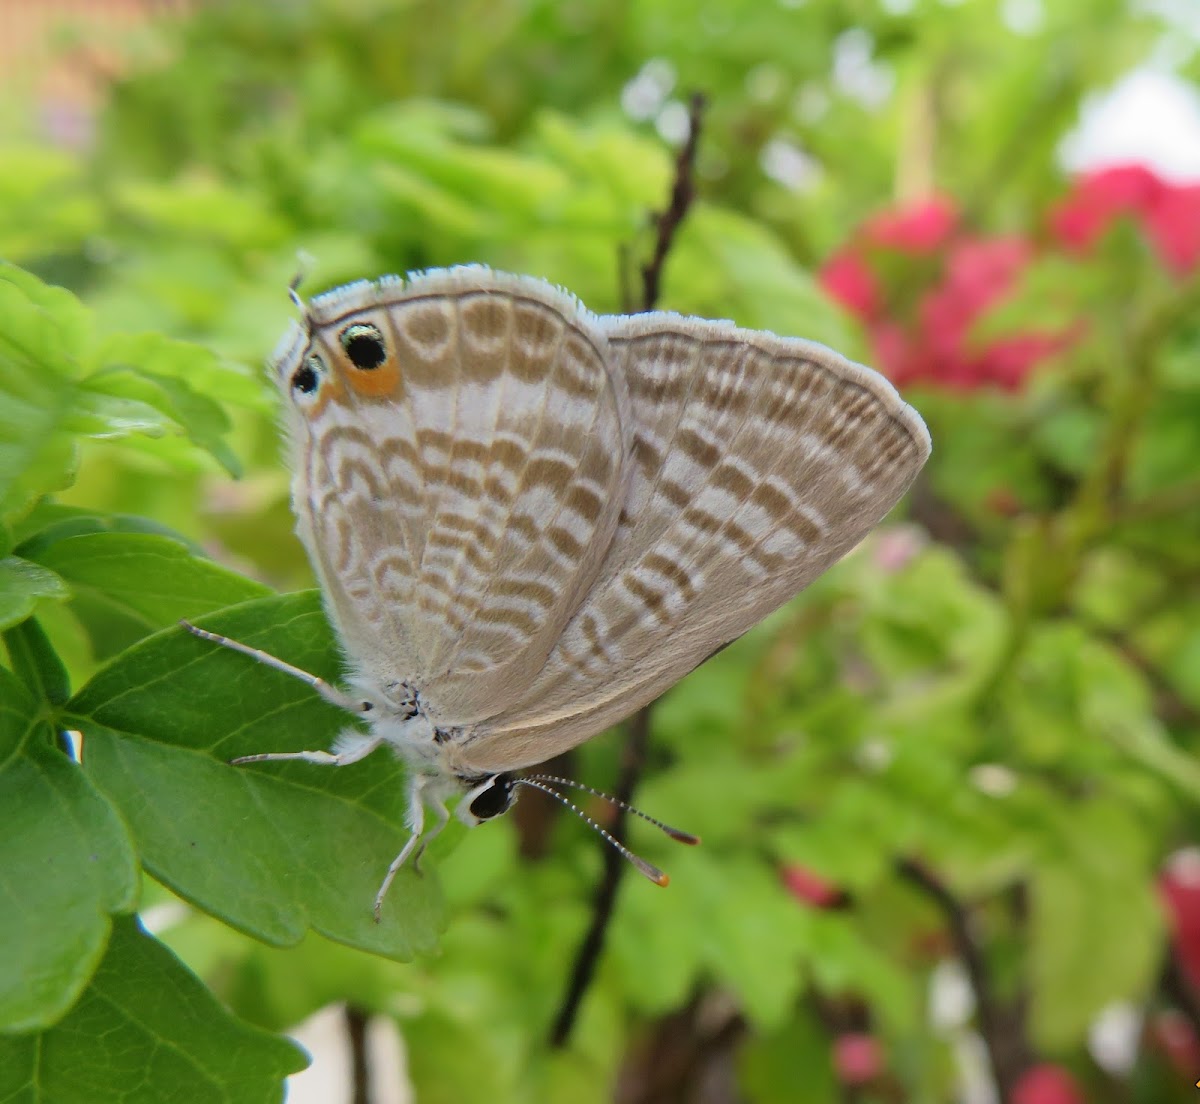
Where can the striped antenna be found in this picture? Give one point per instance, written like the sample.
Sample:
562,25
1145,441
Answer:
674,833
651,872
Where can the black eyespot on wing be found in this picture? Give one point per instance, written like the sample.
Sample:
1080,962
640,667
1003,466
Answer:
364,346
307,376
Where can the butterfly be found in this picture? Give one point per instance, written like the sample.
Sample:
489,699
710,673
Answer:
528,520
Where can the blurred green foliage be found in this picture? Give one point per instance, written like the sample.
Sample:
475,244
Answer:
982,724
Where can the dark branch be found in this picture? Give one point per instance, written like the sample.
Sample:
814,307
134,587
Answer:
360,1070
1179,991
686,1055
682,193
634,756
1004,1038
605,900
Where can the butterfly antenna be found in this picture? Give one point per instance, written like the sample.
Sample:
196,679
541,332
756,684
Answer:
674,833
650,871
304,262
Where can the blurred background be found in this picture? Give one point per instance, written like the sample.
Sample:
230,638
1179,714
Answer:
948,795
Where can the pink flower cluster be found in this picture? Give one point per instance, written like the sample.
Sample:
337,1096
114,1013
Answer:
1168,214
808,887
961,275
1047,1083
1179,888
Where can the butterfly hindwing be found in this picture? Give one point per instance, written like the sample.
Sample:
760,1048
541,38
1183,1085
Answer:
757,462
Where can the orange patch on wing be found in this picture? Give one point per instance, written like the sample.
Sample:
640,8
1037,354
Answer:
372,382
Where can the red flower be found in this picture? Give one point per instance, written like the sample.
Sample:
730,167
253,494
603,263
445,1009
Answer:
810,888
894,351
1047,1084
917,230
1173,225
1008,361
1179,887
979,271
934,343
848,279
920,229
857,1058
1168,213
1100,197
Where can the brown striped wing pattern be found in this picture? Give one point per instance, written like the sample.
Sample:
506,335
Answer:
459,497
757,462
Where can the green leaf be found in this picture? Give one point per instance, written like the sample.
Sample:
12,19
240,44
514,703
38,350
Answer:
147,579
45,204
159,357
146,1031
67,864
277,987
850,860
53,391
1072,688
43,324
42,331
36,663
793,1063
1096,927
517,184
846,959
22,585
932,630
751,939
755,939
203,208
273,849
49,522
175,406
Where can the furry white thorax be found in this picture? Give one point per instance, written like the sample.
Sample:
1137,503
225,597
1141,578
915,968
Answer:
398,720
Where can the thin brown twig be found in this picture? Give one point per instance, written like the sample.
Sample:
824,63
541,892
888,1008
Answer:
683,192
637,741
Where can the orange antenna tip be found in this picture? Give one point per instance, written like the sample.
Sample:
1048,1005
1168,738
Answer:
649,869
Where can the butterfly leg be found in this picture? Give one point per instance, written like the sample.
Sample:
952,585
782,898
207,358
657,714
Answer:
443,818
351,747
416,824
330,693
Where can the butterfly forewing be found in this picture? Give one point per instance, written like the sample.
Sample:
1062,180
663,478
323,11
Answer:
757,462
459,498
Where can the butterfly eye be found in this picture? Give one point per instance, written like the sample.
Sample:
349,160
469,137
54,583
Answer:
494,800
364,346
